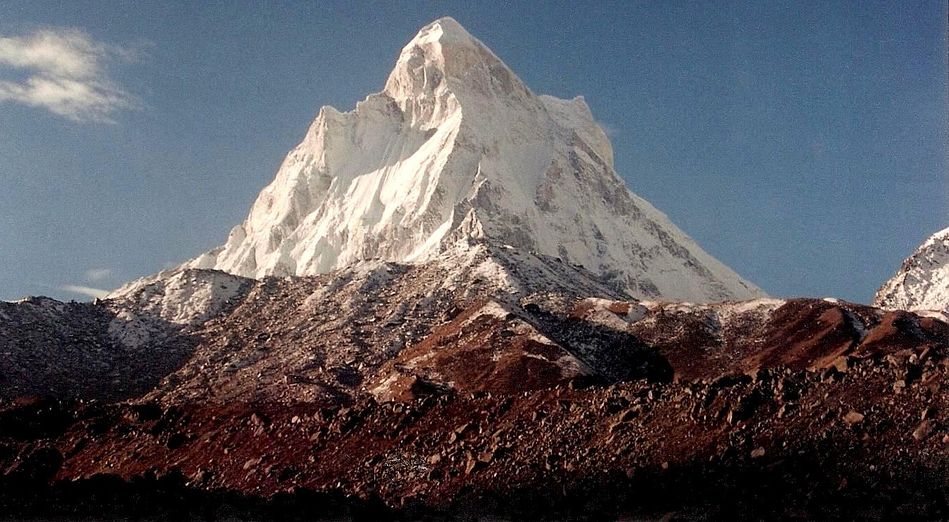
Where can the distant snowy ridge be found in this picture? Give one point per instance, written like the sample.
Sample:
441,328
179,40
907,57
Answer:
922,282
145,308
457,150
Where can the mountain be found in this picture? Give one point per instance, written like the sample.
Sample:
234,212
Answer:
922,282
457,150
468,345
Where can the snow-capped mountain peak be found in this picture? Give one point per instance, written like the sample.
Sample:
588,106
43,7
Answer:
922,282
457,149
444,58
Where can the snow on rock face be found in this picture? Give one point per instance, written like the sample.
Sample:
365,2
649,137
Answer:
620,315
455,150
145,307
184,297
922,282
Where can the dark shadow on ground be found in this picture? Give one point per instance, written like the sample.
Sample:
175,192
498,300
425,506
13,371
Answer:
65,350
613,354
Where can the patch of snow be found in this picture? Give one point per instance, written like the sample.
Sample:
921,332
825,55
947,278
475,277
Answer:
179,297
490,309
492,271
763,305
857,323
599,313
570,366
720,315
939,315
922,282
384,389
536,336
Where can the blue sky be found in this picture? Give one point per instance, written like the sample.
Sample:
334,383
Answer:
803,144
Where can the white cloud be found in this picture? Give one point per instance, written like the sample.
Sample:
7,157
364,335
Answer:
609,129
85,290
65,73
98,274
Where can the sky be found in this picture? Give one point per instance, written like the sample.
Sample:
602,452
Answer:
804,144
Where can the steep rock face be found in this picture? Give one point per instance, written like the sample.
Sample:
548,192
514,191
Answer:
456,149
922,282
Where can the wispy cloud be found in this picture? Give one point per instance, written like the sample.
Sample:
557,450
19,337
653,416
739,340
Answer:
85,290
65,73
609,129
98,274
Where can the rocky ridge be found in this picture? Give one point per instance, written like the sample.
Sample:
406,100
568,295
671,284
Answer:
922,282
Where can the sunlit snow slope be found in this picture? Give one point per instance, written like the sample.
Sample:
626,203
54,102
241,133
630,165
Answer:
457,149
922,283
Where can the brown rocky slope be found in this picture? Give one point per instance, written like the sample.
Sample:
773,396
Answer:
395,391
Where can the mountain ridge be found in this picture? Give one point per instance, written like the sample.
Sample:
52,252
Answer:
922,281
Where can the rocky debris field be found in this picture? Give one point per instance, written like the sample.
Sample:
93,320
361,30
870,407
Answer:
862,439
466,389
